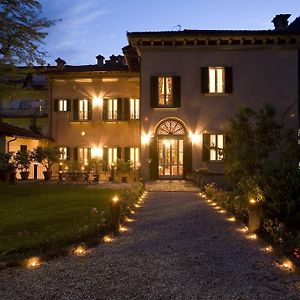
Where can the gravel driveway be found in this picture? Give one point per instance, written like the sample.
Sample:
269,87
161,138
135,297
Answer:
178,248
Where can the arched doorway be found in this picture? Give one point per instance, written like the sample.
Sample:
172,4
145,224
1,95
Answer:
172,149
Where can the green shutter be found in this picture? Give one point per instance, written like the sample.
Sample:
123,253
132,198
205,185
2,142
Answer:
204,80
90,109
126,109
119,152
153,155
105,109
68,105
105,159
75,153
68,153
205,147
228,80
187,157
154,91
120,109
55,104
89,154
75,109
126,153
176,91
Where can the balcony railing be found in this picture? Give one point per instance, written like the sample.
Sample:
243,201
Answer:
24,112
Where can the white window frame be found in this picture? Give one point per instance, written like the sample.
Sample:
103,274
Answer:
216,80
135,157
62,105
112,109
112,156
83,109
134,109
63,153
167,98
83,155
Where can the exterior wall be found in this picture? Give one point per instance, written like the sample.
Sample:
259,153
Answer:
98,133
31,144
259,76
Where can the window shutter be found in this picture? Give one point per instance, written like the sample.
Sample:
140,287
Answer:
153,155
68,153
55,104
126,153
204,80
75,109
154,91
176,91
187,157
68,105
89,154
119,152
104,110
120,109
205,147
75,153
90,109
126,109
228,80
105,159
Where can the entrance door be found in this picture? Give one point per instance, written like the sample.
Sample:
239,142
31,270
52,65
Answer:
170,158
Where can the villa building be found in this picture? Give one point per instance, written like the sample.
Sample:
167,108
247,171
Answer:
165,105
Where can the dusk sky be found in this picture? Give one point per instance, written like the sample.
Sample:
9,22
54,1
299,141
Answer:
92,27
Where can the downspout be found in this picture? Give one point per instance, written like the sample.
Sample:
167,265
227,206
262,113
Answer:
10,142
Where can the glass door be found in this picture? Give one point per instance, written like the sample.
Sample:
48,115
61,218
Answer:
170,158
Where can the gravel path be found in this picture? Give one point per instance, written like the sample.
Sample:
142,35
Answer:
178,248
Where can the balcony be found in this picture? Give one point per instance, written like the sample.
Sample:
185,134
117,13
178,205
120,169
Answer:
23,112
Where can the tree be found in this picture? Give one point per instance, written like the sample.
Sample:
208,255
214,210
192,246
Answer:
22,31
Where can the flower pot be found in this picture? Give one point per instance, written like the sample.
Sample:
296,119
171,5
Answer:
124,179
47,175
12,176
24,175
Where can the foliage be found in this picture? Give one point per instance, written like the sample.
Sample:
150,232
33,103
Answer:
95,165
261,161
23,160
124,167
46,156
22,32
7,162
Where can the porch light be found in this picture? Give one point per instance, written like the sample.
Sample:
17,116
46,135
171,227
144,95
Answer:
83,133
97,152
97,102
195,138
145,139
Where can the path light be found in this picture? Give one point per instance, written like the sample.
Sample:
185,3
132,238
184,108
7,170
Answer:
123,229
286,265
231,219
129,220
107,239
252,236
214,204
268,249
33,263
79,250
115,199
243,229
132,211
137,205
222,211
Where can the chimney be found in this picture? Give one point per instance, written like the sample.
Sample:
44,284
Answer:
281,21
100,60
60,63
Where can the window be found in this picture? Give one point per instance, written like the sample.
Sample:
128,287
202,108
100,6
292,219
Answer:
216,80
165,86
84,155
134,109
216,146
112,109
165,91
83,109
61,105
213,145
23,148
135,157
62,153
112,155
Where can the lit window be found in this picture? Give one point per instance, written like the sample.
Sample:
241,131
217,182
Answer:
62,105
112,156
83,109
216,80
134,109
165,86
216,146
83,155
135,157
112,109
63,153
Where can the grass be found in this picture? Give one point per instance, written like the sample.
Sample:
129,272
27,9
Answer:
46,217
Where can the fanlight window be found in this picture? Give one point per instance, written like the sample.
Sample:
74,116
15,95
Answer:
170,127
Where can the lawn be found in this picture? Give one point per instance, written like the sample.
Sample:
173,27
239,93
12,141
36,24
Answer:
45,217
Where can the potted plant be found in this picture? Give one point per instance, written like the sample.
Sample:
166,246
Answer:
23,160
123,168
47,156
95,166
7,167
